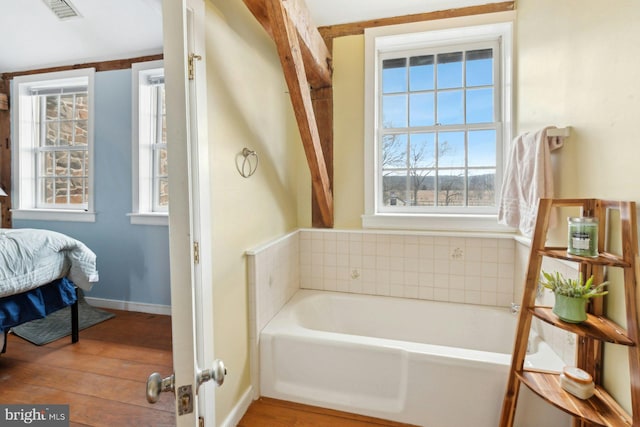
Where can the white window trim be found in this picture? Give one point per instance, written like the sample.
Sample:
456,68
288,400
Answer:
149,218
23,167
142,213
407,36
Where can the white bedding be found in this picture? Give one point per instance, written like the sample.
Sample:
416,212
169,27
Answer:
30,258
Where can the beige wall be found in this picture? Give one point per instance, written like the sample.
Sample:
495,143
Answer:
248,106
577,65
348,147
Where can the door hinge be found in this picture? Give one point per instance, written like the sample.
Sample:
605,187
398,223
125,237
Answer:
196,252
200,421
192,67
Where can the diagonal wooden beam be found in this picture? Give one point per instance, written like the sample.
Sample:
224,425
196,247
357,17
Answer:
315,54
323,108
286,38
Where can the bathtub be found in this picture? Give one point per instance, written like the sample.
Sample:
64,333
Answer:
427,363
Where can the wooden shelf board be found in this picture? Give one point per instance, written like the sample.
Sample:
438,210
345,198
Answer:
605,258
600,409
597,327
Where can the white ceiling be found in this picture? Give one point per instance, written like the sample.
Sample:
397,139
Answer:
33,37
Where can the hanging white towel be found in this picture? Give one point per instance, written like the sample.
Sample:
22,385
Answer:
528,177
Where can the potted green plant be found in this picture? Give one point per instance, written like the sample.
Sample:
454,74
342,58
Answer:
572,295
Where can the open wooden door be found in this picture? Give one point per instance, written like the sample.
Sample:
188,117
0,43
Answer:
189,219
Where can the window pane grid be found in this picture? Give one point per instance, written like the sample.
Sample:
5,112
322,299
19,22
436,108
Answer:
160,178
62,153
160,185
456,94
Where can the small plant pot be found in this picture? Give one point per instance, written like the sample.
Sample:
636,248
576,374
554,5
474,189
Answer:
570,309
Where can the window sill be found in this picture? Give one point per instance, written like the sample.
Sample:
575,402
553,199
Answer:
435,222
149,218
53,215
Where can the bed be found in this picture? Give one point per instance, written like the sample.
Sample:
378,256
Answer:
40,272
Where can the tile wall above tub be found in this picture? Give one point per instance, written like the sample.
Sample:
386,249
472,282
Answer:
475,270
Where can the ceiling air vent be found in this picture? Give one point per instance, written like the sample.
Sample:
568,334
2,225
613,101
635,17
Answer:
62,8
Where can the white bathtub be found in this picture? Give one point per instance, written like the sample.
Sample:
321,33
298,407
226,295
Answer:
433,364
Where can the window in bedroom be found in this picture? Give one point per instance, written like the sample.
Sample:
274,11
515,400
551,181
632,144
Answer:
435,132
54,136
150,180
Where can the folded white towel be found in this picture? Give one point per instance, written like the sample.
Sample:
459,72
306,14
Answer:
528,178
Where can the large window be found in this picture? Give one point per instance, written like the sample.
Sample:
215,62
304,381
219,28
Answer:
53,133
439,116
150,180
438,128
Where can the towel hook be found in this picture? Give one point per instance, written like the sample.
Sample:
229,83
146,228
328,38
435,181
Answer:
249,162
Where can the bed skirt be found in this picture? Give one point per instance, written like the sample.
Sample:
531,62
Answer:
36,303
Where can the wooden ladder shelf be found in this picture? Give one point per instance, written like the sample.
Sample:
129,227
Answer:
600,409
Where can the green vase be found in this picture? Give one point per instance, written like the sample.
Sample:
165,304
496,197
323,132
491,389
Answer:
570,309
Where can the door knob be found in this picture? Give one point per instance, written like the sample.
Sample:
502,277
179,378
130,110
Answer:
216,373
156,385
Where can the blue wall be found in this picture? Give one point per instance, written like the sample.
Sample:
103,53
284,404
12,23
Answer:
133,260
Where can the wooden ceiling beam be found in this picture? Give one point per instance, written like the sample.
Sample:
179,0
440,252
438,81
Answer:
315,54
116,64
330,32
285,35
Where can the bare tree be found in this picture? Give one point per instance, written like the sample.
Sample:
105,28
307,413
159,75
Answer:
419,170
396,156
449,186
393,154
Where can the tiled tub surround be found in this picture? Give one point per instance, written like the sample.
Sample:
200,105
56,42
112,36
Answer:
273,272
274,276
562,342
473,270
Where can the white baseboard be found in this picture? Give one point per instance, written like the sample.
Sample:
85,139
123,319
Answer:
129,306
239,410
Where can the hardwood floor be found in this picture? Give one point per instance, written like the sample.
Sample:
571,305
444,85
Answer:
266,412
102,377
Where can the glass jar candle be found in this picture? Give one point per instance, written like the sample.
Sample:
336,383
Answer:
583,236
